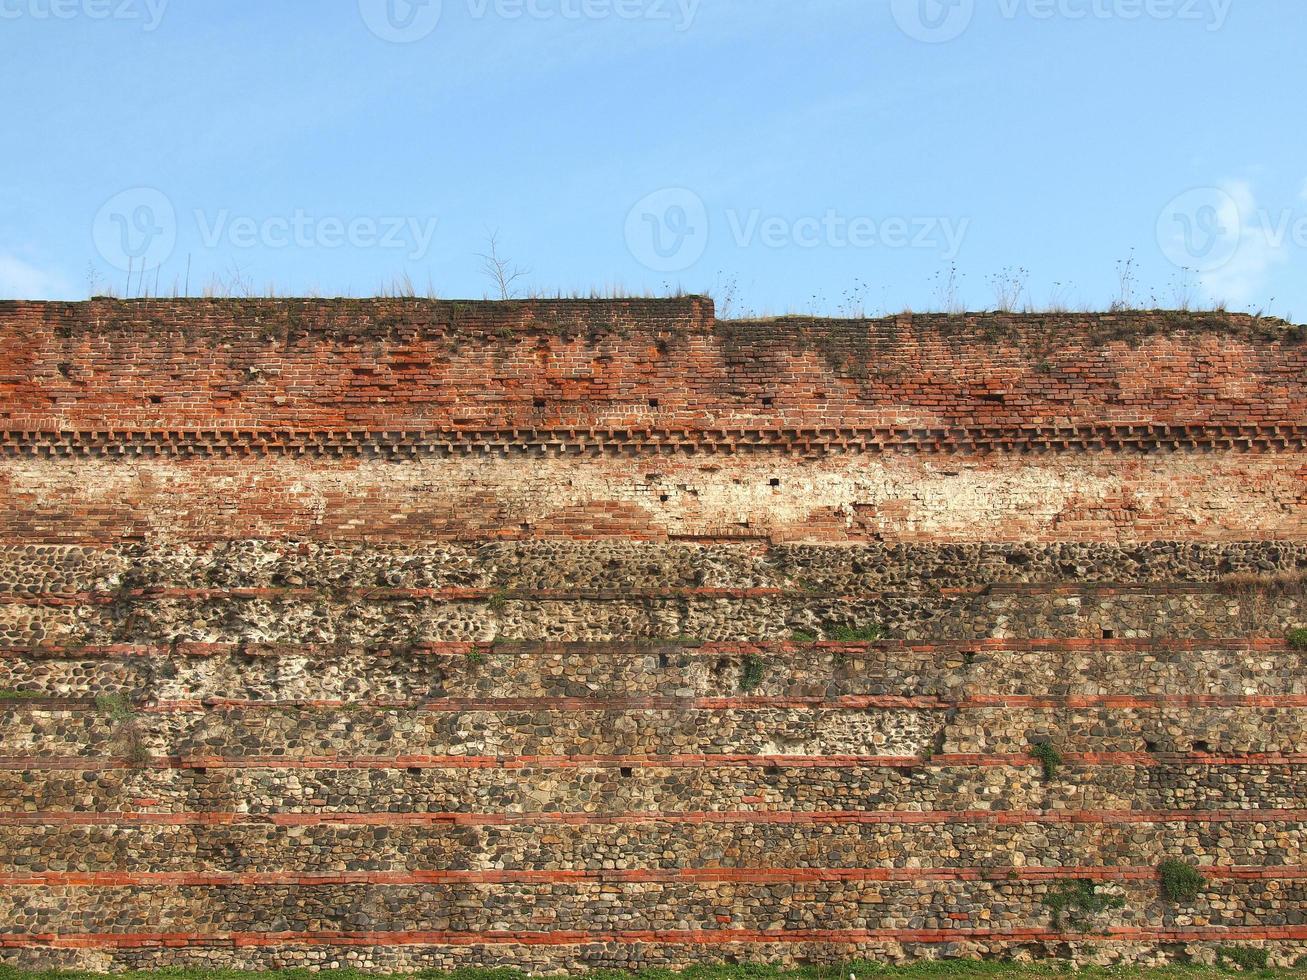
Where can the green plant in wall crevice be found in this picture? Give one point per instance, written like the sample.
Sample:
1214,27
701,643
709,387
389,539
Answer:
12,696
1076,902
753,672
857,634
127,727
1181,883
1048,757
116,707
1243,957
1298,638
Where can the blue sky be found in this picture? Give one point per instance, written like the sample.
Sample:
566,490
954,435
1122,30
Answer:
831,156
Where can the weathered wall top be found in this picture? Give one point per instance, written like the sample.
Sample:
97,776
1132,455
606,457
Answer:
403,365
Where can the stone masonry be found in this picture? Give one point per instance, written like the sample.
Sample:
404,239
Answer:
562,635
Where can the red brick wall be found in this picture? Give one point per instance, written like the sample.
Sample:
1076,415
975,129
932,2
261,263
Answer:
409,364
396,633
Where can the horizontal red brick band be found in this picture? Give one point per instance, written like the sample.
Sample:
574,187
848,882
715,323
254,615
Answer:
1140,436
638,647
766,876
940,761
672,937
983,817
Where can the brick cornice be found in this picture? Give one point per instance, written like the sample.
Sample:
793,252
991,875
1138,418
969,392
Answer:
807,442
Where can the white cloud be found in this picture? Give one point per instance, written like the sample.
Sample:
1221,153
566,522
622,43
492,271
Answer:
22,280
1245,277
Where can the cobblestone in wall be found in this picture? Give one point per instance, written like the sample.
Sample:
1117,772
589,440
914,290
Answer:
404,621
612,565
637,952
621,906
878,731
349,843
365,732
598,672
776,786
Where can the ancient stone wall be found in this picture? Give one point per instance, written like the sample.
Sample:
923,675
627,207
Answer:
575,634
